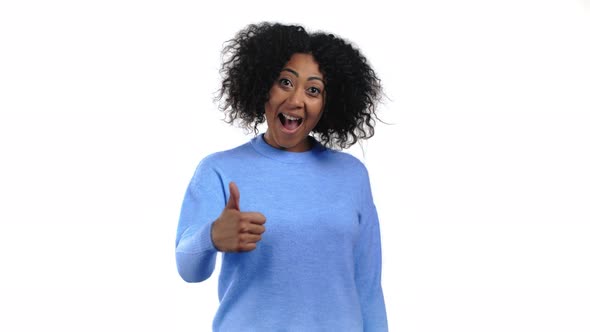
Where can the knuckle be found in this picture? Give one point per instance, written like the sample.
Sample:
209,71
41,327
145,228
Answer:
247,247
242,225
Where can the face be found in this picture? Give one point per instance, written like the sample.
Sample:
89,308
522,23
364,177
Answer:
295,105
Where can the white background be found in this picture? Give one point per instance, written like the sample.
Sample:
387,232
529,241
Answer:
481,181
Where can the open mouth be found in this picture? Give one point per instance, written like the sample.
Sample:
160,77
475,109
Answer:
290,122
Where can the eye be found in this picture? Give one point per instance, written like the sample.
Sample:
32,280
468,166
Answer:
285,82
314,91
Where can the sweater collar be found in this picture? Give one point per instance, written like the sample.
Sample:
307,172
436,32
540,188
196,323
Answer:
267,150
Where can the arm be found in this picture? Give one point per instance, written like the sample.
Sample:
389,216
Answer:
203,202
368,266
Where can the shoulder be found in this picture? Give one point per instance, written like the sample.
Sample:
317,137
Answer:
226,157
216,164
352,176
347,162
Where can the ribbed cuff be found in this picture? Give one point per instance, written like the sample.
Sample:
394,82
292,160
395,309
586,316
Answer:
198,242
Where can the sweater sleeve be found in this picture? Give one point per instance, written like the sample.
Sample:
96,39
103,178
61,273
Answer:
203,202
368,265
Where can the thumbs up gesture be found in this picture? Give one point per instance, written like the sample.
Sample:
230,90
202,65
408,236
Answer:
236,231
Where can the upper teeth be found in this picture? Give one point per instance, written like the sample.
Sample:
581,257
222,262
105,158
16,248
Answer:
288,117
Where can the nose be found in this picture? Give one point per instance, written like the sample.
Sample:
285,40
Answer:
296,98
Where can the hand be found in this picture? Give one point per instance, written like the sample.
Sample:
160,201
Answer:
236,231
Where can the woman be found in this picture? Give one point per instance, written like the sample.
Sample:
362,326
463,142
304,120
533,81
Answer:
294,219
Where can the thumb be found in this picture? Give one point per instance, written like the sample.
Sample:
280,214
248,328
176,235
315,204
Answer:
234,197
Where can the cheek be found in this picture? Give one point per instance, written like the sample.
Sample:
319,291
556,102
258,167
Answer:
272,103
318,110
269,107
315,118
266,107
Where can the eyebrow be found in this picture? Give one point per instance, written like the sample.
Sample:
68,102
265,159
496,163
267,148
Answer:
309,79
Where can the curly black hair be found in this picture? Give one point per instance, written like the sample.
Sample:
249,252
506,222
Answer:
253,60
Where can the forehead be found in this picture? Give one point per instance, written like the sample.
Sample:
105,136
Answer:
304,65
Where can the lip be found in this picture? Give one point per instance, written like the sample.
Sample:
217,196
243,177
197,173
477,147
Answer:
287,131
292,115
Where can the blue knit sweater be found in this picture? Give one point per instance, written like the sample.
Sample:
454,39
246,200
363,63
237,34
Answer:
318,265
